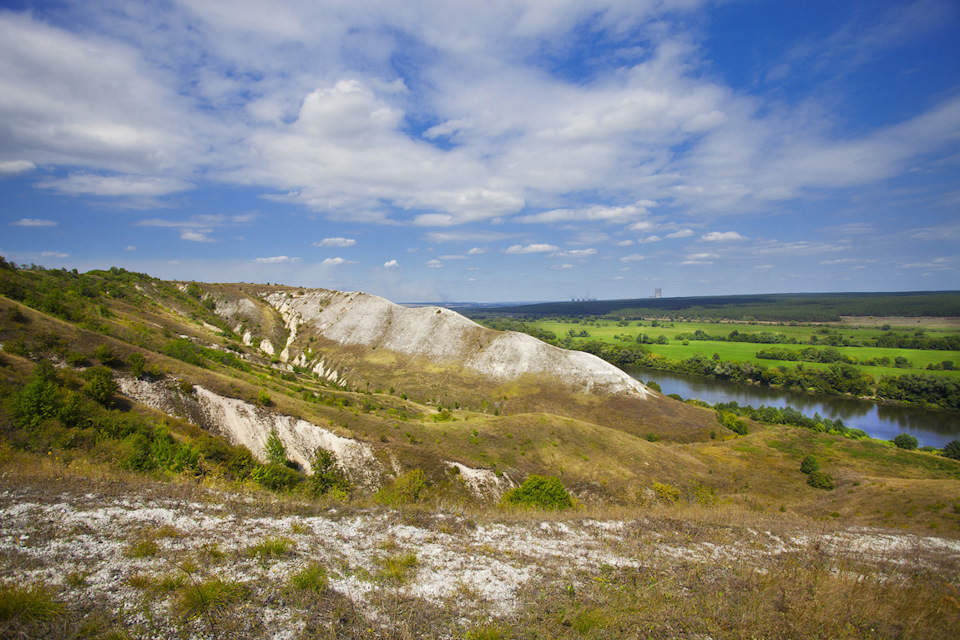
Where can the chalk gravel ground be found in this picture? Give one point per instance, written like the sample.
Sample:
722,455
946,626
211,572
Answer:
81,539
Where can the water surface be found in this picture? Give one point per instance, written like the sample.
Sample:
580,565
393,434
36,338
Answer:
933,428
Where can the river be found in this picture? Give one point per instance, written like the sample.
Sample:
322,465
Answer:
933,428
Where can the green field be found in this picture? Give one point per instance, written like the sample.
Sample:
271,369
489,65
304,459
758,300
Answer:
615,333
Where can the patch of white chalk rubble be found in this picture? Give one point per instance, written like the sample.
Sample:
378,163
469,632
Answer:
474,567
353,318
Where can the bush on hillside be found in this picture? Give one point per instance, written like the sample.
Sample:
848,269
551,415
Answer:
820,480
809,465
543,492
952,450
906,441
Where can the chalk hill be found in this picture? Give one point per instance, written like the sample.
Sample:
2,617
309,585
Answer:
437,355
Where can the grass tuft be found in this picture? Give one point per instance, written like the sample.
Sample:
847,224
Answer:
30,605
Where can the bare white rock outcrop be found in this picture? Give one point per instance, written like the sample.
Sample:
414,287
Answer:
353,318
242,423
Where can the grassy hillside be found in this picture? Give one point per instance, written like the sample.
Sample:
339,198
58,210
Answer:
207,538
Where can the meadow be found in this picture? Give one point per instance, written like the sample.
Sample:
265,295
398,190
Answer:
614,332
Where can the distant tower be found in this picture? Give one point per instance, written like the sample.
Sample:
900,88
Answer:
656,293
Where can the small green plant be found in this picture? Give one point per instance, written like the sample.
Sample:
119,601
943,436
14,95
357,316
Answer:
275,547
28,605
809,464
312,577
263,398
820,480
398,567
208,597
906,441
487,631
274,449
142,548
543,492
652,437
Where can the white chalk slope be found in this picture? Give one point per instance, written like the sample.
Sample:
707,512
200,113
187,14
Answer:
441,335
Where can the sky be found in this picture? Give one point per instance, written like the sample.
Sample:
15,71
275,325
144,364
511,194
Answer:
497,151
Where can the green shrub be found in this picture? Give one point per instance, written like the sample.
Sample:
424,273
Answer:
544,492
100,385
327,474
137,363
731,421
809,465
906,441
952,450
666,492
263,398
409,487
820,480
274,450
105,355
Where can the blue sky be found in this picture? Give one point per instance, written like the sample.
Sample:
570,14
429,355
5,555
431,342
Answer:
495,151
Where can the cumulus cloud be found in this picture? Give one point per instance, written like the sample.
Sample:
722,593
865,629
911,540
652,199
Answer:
332,262
434,264
530,248
634,257
682,233
276,260
560,267
34,222
335,242
391,264
722,236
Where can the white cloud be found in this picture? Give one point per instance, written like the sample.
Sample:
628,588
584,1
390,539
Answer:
558,267
453,257
196,236
115,186
597,213
34,222
276,260
476,251
130,247
54,254
625,243
332,262
13,167
649,239
391,264
531,248
634,257
574,253
335,242
682,233
434,264
722,236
